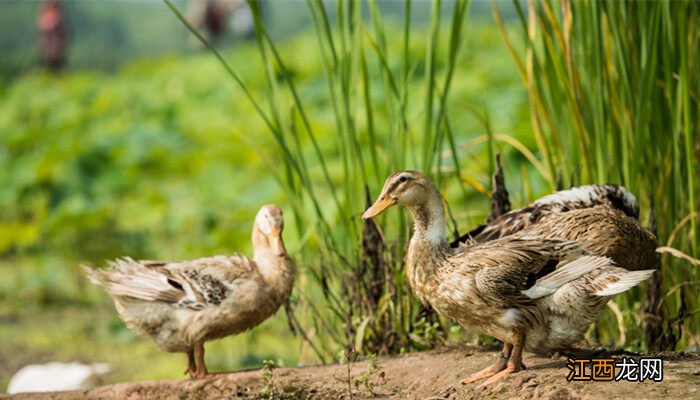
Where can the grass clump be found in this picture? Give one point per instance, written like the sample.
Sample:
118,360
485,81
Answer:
613,90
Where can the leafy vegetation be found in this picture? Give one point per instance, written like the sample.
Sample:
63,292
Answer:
569,100
167,160
170,159
367,299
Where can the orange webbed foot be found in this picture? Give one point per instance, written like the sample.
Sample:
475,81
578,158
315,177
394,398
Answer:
499,366
199,374
484,373
510,369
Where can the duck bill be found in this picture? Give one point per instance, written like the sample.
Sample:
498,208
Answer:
378,207
276,242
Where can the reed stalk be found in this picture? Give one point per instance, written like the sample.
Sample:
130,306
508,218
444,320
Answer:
614,89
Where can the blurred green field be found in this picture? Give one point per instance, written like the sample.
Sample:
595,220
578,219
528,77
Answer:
166,160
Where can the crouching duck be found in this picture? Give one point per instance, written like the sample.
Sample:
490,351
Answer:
534,294
603,218
581,198
181,305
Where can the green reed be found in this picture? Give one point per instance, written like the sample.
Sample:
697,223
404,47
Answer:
586,67
367,301
614,89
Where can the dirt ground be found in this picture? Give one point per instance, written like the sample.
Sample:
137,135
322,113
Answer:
433,375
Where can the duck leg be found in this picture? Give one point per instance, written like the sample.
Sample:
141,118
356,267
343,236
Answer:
191,366
515,363
499,366
201,371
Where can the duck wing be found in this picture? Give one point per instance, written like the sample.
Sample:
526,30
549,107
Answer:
576,198
603,231
517,270
191,284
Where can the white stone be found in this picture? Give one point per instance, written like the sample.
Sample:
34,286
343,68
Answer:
56,376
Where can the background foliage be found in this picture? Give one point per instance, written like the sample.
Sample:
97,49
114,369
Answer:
167,158
613,97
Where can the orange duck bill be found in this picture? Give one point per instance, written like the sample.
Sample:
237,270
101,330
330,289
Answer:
378,207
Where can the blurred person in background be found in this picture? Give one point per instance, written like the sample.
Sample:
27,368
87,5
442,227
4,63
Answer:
53,35
214,18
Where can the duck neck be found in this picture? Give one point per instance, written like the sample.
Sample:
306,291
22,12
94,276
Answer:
275,268
428,247
429,220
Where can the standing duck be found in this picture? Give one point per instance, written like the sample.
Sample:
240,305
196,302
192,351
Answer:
181,305
533,294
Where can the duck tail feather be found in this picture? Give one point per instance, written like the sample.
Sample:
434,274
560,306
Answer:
625,282
96,276
139,283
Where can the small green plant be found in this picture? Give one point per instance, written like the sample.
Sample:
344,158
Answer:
346,357
427,332
270,391
369,379
373,377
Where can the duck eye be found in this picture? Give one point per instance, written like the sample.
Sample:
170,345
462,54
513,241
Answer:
403,179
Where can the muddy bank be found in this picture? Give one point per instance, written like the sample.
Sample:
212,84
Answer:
432,375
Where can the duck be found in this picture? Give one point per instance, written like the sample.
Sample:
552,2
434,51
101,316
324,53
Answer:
582,198
182,305
604,218
532,293
603,231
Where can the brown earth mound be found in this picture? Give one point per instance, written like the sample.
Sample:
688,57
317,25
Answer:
431,375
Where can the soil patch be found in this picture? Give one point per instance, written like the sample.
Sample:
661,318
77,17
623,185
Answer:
431,375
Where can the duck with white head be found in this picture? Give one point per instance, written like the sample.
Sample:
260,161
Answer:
182,305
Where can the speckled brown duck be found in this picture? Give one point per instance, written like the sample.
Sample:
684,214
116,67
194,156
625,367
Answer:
604,218
182,305
534,294
576,198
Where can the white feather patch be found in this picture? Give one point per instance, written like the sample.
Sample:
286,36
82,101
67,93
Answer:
627,281
589,194
581,193
435,234
510,317
564,274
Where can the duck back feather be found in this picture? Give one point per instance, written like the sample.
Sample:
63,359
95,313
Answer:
577,198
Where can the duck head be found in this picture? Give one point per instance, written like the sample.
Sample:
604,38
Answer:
269,223
406,188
